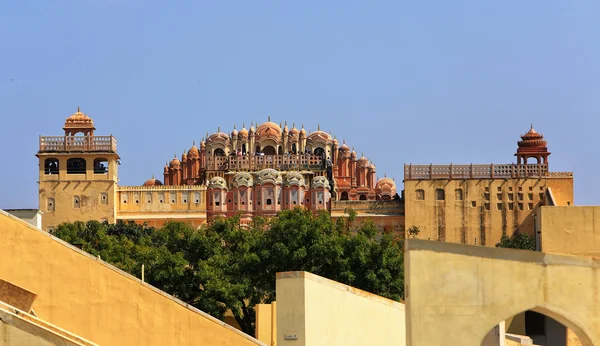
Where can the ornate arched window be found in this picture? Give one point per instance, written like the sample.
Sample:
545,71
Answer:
51,166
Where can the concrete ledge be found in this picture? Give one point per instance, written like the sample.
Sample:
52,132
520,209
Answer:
40,329
519,339
501,253
340,286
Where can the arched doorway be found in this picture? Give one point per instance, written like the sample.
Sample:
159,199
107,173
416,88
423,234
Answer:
280,150
535,327
344,196
219,152
362,197
269,150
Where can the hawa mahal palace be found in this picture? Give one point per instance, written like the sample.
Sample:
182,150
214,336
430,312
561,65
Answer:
268,167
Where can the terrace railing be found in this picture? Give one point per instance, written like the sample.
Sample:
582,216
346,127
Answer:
471,171
78,143
254,163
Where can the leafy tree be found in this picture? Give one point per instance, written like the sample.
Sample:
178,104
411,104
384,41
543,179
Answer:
223,266
413,231
518,241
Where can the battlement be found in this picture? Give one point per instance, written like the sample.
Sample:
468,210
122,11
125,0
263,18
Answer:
491,171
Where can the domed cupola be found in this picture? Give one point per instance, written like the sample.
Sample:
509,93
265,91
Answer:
532,145
175,163
193,153
79,122
152,182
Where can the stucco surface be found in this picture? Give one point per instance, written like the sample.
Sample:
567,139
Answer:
455,287
324,312
483,210
97,301
570,230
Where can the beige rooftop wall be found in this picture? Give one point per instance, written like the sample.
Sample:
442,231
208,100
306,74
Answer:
97,301
570,230
314,311
456,293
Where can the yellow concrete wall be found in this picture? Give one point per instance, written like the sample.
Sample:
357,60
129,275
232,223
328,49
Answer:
570,230
382,213
562,190
456,293
153,204
324,312
89,187
97,301
266,326
488,207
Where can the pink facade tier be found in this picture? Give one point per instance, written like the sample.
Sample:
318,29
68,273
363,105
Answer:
264,170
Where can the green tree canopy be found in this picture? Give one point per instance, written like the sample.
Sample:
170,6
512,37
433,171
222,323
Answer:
225,266
517,241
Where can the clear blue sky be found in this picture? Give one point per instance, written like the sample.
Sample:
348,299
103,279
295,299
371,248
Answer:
419,81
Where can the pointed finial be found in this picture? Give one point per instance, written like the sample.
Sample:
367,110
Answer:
293,124
175,155
194,143
78,111
362,154
219,129
385,175
243,125
234,126
353,148
531,126
286,123
344,141
153,177
302,125
251,123
269,118
318,127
